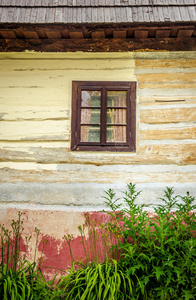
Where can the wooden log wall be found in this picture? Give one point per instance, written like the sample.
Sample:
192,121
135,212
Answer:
36,164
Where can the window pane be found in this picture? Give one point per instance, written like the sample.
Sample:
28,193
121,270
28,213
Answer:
117,98
116,134
90,116
116,116
91,98
90,134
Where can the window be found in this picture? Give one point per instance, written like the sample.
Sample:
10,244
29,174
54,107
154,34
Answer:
103,116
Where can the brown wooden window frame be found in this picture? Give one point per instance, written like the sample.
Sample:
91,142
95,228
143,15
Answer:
104,86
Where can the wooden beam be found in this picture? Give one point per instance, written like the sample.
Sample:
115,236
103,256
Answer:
119,34
141,34
94,27
19,34
174,31
76,34
7,34
42,34
98,34
185,33
65,34
31,34
53,34
162,33
95,45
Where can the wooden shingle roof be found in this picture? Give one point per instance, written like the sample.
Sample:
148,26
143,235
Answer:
97,11
97,25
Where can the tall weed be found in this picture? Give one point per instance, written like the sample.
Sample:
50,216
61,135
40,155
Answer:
159,251
20,279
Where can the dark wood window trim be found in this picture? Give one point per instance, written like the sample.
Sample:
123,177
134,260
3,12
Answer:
76,123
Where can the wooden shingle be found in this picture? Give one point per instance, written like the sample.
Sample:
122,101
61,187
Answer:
97,11
184,13
166,13
4,15
171,13
92,3
107,14
146,13
41,15
50,15
78,15
100,13
69,14
192,12
129,15
94,15
177,14
58,15
160,13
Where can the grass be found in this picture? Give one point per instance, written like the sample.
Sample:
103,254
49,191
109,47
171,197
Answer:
99,281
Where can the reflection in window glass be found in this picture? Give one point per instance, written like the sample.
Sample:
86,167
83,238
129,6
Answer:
117,98
116,116
90,116
89,133
91,98
116,134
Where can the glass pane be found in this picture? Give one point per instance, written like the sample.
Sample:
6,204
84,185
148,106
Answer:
90,116
117,98
116,134
90,134
116,116
91,98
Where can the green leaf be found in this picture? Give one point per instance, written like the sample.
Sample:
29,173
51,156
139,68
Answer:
188,295
158,272
5,290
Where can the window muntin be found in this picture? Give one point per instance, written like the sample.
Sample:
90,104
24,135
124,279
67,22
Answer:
103,116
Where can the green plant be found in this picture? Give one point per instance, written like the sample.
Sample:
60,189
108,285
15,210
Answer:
169,201
20,279
97,281
16,271
159,251
187,204
132,255
110,200
47,290
130,197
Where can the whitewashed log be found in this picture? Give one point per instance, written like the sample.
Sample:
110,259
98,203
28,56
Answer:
81,196
167,77
56,152
167,94
165,63
52,65
35,130
33,112
166,99
172,115
165,134
168,85
18,173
